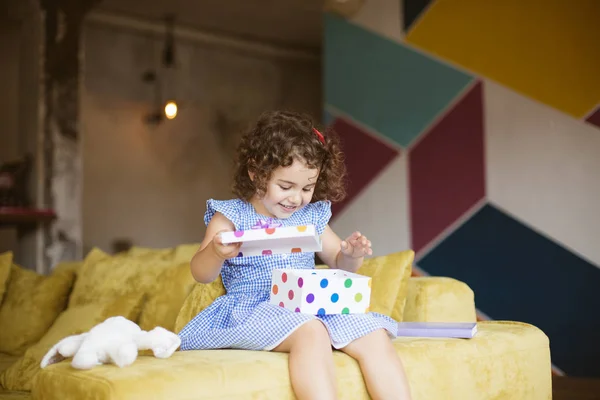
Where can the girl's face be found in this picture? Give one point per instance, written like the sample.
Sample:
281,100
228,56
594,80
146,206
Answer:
289,189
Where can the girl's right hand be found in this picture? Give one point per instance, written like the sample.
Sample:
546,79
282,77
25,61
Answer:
225,251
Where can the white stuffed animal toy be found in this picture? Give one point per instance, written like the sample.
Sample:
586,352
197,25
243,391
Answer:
116,340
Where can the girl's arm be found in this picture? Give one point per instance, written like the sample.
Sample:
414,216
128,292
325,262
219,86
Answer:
208,260
345,254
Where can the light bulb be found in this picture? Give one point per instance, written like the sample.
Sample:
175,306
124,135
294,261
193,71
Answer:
171,110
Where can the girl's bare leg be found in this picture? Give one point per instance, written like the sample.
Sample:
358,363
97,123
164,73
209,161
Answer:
380,365
311,362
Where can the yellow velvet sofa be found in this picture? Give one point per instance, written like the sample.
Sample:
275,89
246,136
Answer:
506,360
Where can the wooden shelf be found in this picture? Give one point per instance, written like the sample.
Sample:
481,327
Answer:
16,216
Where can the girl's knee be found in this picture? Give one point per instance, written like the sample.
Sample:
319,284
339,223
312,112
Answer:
315,329
313,333
379,336
371,343
374,338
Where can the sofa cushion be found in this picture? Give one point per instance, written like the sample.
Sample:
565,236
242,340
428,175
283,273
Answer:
505,360
5,266
73,266
185,252
439,299
103,276
6,360
163,304
201,296
137,251
14,395
390,275
179,253
73,321
35,301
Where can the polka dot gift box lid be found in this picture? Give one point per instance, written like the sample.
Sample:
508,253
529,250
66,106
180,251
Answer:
275,240
321,292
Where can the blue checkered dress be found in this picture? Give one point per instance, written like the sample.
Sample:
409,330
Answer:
243,318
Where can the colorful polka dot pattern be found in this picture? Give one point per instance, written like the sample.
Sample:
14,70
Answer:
268,252
277,249
268,231
321,291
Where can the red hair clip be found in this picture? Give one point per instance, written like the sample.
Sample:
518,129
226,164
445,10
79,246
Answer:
320,135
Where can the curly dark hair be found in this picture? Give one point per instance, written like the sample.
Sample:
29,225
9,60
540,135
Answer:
278,138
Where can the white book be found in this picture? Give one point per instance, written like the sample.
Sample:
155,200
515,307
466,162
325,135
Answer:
463,330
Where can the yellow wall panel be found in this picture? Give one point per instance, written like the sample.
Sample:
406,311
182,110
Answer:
548,50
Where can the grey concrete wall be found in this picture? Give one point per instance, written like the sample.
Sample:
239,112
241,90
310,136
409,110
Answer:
10,32
19,82
150,184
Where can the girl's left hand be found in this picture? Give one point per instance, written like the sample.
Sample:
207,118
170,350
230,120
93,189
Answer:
356,246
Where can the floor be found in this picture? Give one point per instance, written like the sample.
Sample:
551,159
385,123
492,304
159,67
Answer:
565,388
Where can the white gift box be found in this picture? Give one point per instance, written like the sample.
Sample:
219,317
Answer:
275,240
321,291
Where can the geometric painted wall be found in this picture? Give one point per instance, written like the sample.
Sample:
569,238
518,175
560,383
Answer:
488,169
545,50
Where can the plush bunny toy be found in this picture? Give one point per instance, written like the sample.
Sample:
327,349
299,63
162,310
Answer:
116,340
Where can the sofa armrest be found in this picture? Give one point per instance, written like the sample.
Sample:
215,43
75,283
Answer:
439,299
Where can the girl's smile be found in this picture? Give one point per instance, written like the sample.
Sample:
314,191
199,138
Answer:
288,190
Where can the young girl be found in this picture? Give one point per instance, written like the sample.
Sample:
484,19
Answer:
287,174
